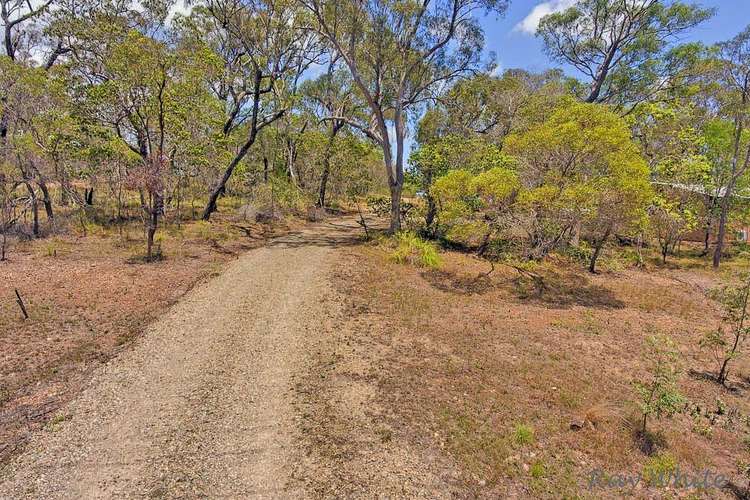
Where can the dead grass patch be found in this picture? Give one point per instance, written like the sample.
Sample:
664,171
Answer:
460,366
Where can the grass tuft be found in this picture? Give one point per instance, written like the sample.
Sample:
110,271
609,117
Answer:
657,469
411,249
537,470
523,435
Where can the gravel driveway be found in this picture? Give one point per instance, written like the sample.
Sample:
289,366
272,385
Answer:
202,405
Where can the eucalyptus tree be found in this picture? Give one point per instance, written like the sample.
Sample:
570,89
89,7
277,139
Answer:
16,17
490,107
734,98
263,48
332,99
400,55
628,50
142,95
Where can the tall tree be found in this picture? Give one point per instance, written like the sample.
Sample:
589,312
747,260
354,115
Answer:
627,49
331,98
399,54
264,48
15,15
735,78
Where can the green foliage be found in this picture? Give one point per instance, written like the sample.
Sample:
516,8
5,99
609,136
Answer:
439,157
537,470
657,392
411,249
474,205
579,167
280,195
657,469
522,435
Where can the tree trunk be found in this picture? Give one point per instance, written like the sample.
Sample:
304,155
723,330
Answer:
34,209
157,207
706,239
726,201
598,249
323,183
150,232
722,230
396,174
485,244
724,372
47,200
575,238
601,75
290,161
3,244
395,208
429,218
3,121
327,164
220,186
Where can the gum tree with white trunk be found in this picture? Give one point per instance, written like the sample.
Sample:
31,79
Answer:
400,54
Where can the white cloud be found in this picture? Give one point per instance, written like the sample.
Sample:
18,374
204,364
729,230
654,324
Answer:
180,7
530,23
499,69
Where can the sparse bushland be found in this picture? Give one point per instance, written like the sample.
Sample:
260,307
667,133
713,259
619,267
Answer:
582,364
138,121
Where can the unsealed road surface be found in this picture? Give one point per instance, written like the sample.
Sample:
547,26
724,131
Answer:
201,406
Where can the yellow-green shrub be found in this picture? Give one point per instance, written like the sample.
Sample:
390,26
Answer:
412,249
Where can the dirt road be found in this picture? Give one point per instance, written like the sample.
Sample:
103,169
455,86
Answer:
202,405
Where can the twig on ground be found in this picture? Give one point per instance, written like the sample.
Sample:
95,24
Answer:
362,222
20,303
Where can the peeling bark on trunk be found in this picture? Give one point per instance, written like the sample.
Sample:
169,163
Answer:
395,208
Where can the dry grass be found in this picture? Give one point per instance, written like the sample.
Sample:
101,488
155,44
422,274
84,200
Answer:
465,360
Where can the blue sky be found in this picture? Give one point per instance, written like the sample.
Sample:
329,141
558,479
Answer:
512,39
515,45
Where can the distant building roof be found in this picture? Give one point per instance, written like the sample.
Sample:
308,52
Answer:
699,189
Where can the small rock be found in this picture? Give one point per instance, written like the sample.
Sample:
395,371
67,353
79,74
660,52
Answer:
577,424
